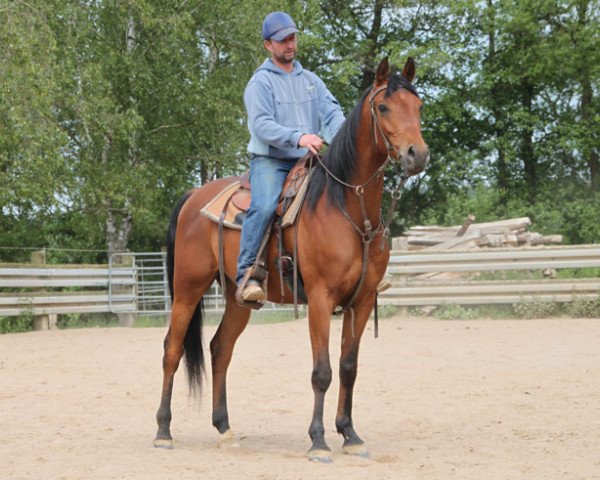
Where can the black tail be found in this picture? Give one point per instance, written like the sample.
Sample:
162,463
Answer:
192,344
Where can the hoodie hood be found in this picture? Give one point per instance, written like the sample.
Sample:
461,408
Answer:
270,66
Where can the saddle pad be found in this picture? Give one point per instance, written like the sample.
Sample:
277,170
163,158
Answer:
236,208
233,216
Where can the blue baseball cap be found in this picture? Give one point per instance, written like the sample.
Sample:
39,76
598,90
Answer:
277,26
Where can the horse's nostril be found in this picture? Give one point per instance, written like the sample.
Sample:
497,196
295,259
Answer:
411,152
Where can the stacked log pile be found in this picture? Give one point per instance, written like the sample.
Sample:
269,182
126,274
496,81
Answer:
503,233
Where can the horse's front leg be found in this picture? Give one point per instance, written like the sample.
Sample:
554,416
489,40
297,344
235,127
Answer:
351,335
319,318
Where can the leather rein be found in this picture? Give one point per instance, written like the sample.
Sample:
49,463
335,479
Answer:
367,232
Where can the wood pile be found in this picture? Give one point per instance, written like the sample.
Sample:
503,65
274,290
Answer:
503,233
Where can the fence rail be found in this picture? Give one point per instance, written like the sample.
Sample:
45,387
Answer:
490,292
32,298
580,256
60,303
410,290
140,285
65,277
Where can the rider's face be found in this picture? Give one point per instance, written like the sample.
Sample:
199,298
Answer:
284,51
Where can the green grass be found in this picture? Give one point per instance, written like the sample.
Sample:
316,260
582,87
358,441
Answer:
17,324
509,275
579,308
590,272
260,317
87,320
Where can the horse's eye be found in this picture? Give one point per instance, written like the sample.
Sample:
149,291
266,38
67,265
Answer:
382,108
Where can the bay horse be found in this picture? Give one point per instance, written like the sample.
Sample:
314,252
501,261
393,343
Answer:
344,199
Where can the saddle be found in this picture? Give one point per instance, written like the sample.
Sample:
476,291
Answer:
232,203
228,209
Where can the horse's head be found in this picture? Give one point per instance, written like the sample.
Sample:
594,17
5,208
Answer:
396,117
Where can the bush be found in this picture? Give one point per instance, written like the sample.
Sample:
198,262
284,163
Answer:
456,312
536,309
584,308
85,320
19,323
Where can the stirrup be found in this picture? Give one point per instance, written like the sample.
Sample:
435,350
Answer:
250,293
253,292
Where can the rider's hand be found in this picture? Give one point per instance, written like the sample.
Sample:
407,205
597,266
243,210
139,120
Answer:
311,141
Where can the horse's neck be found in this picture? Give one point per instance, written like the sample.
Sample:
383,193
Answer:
368,163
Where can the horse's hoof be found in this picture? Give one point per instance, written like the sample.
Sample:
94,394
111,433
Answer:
228,440
356,450
320,456
167,444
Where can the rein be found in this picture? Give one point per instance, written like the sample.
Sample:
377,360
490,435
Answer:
368,234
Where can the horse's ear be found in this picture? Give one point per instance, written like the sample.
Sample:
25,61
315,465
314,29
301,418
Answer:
383,71
409,69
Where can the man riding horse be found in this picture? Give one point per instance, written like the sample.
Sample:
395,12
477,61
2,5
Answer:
287,107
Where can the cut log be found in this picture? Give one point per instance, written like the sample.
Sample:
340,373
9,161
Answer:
468,241
545,239
491,240
509,224
430,240
400,243
468,221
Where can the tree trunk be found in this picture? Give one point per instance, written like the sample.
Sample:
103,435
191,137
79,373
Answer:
118,228
589,151
589,147
502,172
527,152
119,220
373,47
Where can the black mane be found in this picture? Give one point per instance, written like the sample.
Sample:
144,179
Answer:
341,156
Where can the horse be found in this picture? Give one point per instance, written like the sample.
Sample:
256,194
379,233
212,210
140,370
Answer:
338,221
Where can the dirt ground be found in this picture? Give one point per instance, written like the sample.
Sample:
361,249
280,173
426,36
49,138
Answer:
483,399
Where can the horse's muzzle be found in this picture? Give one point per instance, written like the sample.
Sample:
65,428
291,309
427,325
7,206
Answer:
414,158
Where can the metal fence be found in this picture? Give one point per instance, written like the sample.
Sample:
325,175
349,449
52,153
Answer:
136,283
415,282
149,286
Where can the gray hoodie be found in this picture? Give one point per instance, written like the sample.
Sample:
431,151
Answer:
284,106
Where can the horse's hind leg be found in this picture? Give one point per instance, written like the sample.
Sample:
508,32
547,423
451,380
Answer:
351,335
232,325
187,298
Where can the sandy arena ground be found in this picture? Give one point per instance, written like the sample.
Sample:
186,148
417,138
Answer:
434,400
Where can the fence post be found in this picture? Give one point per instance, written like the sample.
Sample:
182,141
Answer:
126,319
44,321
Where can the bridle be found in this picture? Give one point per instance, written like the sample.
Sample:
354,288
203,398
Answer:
375,123
368,233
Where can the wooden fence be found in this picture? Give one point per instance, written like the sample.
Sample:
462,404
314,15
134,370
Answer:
89,289
65,289
415,282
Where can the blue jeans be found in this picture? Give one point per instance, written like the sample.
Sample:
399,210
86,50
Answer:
267,176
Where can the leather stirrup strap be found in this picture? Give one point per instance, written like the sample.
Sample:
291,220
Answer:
296,225
222,247
280,266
